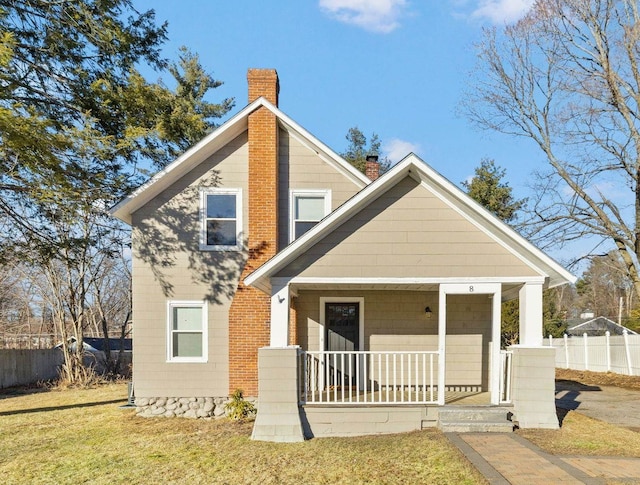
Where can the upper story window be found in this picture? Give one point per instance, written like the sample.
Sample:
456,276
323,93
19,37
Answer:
308,207
221,218
187,331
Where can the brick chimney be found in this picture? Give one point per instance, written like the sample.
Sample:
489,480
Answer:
263,82
372,168
250,311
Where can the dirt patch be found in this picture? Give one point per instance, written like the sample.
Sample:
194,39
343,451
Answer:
599,378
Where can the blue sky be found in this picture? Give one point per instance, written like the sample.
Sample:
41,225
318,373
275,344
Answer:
398,68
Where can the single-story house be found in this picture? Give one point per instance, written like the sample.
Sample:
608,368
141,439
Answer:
344,303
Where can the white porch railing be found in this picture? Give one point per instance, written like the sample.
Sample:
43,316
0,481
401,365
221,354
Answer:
366,377
506,356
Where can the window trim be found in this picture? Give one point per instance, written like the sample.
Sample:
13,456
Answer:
293,193
171,304
203,219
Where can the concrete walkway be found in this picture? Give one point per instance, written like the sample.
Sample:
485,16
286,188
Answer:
506,458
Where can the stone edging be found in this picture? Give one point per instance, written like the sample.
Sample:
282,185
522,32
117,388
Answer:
183,407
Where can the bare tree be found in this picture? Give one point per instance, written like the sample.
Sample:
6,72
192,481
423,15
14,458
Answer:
111,306
567,77
602,286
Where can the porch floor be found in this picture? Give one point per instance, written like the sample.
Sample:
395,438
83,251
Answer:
467,398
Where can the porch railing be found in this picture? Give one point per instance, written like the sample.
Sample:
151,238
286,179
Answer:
506,357
365,377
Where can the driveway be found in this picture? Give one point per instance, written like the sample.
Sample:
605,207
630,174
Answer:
606,403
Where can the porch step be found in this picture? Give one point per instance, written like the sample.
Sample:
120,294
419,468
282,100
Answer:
474,419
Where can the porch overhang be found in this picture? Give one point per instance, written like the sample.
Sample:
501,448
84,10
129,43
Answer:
529,289
510,286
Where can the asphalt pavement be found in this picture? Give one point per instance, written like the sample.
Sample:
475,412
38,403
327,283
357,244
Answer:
607,403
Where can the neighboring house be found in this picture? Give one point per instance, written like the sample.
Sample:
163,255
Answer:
381,297
597,327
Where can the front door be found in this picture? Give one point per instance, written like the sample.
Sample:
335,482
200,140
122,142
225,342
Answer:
342,321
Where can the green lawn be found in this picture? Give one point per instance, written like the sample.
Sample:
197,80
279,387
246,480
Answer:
82,436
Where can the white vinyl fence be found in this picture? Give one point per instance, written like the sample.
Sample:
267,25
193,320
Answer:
619,354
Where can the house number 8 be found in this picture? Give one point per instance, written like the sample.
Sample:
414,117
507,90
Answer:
471,289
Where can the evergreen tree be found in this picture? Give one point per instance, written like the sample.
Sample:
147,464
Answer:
488,189
358,150
77,121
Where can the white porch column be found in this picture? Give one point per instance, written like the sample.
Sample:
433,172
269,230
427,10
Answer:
494,290
496,320
531,315
279,314
442,336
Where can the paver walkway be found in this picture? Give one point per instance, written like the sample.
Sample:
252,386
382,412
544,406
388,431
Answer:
506,458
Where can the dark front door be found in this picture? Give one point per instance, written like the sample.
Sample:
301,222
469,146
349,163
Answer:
342,321
343,326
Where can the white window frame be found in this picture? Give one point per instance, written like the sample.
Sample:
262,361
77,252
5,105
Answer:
203,219
293,193
205,330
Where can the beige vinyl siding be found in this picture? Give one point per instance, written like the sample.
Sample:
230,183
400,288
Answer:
396,321
302,168
408,232
168,265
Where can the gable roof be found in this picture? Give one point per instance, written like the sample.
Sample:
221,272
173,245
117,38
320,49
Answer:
451,195
217,139
599,324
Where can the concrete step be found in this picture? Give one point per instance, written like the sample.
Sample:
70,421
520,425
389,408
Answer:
464,419
467,427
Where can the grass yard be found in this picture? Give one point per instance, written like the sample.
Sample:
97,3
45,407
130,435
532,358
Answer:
81,436
581,435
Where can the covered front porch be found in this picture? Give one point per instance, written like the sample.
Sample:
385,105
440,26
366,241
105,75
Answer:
393,356
427,342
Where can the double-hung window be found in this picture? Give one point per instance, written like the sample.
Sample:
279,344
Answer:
308,207
187,331
221,219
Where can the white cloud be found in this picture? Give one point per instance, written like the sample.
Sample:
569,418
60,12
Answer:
502,11
396,149
374,15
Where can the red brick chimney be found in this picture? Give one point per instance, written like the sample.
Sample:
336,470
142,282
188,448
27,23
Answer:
372,168
250,311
